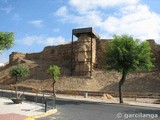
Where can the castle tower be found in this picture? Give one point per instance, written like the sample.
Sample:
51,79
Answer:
83,51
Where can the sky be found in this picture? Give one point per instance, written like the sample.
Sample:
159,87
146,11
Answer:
40,23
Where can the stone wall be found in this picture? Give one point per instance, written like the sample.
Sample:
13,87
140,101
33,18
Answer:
61,55
83,52
101,81
33,56
101,48
16,58
155,48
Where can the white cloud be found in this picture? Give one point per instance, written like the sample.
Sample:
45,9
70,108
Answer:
1,64
42,40
90,17
7,9
94,4
55,40
37,23
130,17
136,20
62,11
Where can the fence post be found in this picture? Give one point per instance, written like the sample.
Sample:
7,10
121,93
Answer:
36,97
135,98
43,99
2,93
46,106
85,94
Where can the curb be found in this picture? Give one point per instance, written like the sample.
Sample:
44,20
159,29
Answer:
51,112
106,102
148,106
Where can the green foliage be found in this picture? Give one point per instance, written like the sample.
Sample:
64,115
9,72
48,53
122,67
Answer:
19,71
6,40
126,54
54,71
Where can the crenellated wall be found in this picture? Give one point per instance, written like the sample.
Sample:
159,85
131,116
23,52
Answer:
155,48
101,81
61,55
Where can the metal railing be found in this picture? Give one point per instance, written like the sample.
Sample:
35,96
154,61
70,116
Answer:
43,98
50,104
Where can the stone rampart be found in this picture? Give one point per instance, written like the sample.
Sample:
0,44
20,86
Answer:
101,81
61,55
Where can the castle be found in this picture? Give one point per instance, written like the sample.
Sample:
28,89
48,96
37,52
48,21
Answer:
81,60
81,56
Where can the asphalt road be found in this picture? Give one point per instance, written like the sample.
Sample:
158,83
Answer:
78,110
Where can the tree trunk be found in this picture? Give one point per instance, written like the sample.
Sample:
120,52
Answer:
16,87
53,85
120,86
16,91
54,93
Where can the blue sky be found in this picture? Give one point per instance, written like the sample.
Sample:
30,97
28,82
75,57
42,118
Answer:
40,23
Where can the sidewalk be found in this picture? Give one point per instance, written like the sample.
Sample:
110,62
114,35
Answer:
10,111
114,100
25,111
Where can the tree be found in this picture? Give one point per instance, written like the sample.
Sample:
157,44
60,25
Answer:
6,40
126,55
18,72
54,72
